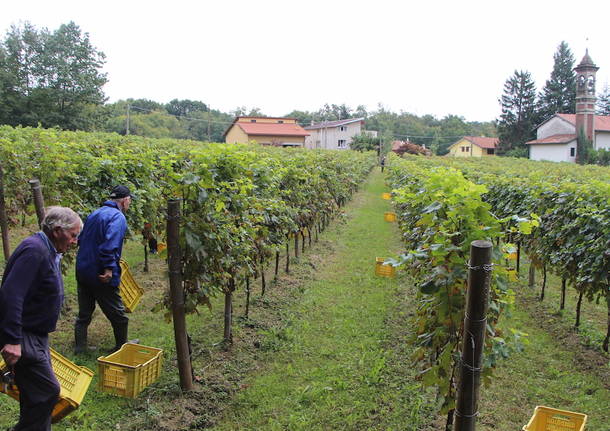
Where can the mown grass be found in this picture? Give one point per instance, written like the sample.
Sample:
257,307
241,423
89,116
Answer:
328,348
333,366
556,369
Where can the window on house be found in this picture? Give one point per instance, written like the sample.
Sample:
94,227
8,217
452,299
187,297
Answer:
572,152
342,128
342,143
253,121
280,121
490,151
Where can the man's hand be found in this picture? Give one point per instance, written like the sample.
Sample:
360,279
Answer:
11,353
106,276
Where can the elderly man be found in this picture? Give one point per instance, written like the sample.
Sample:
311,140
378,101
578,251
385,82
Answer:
97,268
31,296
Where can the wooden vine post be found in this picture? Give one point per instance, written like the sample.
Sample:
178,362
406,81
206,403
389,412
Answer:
3,218
228,313
475,320
38,200
174,257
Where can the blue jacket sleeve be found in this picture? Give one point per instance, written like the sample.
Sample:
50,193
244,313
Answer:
110,249
15,288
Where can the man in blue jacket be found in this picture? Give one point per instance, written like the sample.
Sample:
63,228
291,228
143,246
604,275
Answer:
98,273
31,296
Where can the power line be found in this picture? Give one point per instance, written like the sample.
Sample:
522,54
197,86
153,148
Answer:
394,135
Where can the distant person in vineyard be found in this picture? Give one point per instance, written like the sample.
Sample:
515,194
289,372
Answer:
98,273
382,163
31,296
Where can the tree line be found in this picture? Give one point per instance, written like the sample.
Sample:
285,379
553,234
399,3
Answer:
523,108
55,79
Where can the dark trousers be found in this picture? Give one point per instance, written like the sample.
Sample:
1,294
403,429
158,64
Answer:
38,387
109,300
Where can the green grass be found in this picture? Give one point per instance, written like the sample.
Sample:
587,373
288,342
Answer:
555,370
330,363
327,348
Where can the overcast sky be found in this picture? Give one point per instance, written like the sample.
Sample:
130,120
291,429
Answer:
424,57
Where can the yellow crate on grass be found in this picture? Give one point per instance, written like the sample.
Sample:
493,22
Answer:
73,379
130,290
384,270
389,216
161,246
129,370
550,419
386,196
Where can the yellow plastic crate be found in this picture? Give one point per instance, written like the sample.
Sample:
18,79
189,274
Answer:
73,379
161,246
129,370
389,216
386,196
384,270
549,419
130,290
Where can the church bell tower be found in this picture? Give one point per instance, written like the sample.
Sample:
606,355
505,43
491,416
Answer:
585,96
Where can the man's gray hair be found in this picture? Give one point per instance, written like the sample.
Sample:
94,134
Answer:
62,217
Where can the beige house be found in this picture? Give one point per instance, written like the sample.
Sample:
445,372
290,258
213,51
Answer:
334,135
474,146
280,132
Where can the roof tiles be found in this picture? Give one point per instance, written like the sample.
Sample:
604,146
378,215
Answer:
272,129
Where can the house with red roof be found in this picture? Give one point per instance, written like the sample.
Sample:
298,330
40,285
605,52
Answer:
334,135
557,137
473,146
279,132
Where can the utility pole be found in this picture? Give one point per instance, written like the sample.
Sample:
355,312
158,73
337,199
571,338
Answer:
127,126
209,139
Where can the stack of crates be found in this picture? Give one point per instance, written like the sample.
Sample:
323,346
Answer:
129,370
549,419
74,382
131,292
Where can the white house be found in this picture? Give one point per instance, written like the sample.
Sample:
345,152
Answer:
333,135
556,138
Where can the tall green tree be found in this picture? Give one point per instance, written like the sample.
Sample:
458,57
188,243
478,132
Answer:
518,118
559,92
603,101
55,79
184,108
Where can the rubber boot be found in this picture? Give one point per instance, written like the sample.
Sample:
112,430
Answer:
120,335
80,339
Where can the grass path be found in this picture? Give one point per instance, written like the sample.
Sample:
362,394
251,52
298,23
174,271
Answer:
331,364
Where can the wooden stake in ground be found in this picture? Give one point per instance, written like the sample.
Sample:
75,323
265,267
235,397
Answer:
287,255
38,200
477,301
228,314
3,219
174,258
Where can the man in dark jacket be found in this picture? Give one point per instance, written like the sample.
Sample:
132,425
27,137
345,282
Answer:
98,273
31,296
